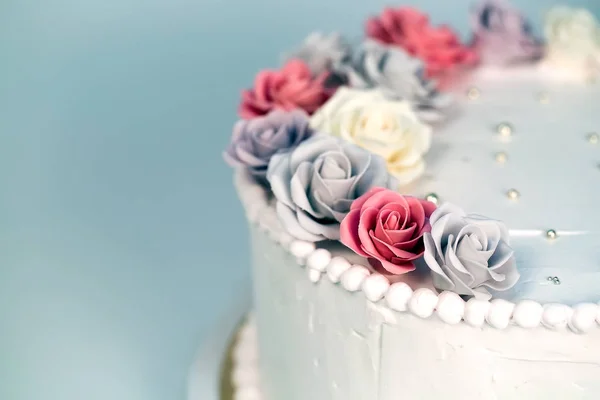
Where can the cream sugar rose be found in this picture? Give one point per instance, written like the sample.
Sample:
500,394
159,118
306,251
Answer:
386,127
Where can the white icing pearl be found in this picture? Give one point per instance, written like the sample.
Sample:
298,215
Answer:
301,249
583,318
476,312
375,287
313,275
500,313
319,259
528,314
423,302
247,393
556,316
450,307
398,295
336,268
353,278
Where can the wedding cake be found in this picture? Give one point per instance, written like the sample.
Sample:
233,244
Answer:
424,212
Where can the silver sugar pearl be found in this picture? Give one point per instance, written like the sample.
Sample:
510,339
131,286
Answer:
501,157
554,279
504,129
551,234
432,197
593,138
513,194
473,93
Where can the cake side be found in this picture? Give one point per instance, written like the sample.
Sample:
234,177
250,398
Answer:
341,345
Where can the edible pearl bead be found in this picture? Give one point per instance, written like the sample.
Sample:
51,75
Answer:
593,138
501,157
513,194
551,234
432,197
504,129
473,93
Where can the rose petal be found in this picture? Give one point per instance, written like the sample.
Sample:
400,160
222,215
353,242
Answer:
349,232
290,222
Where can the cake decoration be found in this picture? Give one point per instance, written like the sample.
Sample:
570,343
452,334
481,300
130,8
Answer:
387,228
438,47
385,127
322,51
397,74
469,253
502,35
255,141
573,40
294,86
339,127
315,184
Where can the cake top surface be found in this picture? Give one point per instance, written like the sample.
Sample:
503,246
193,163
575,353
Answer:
475,165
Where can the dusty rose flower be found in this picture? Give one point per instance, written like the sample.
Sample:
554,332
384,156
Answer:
292,87
438,47
387,228
255,141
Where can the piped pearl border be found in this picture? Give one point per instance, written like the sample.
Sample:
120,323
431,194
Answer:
423,302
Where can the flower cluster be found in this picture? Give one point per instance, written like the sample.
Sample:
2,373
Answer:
340,131
438,47
502,35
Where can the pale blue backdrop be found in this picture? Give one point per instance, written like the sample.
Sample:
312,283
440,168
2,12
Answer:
121,239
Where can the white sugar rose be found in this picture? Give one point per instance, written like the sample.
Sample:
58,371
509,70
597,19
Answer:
573,39
388,128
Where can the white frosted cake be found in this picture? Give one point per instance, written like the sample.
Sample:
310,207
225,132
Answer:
424,213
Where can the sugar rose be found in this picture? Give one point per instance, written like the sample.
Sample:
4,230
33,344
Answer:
315,184
387,228
469,254
573,40
389,128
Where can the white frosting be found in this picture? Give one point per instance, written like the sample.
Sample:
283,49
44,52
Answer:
375,287
319,260
398,296
476,312
322,342
528,314
423,302
353,278
450,308
336,268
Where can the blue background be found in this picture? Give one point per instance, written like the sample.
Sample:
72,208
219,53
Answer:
121,238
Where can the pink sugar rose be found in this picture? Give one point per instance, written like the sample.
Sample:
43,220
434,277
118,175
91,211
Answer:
292,87
387,228
438,47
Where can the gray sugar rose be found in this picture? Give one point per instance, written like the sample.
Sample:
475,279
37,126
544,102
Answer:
320,51
469,254
315,184
397,75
